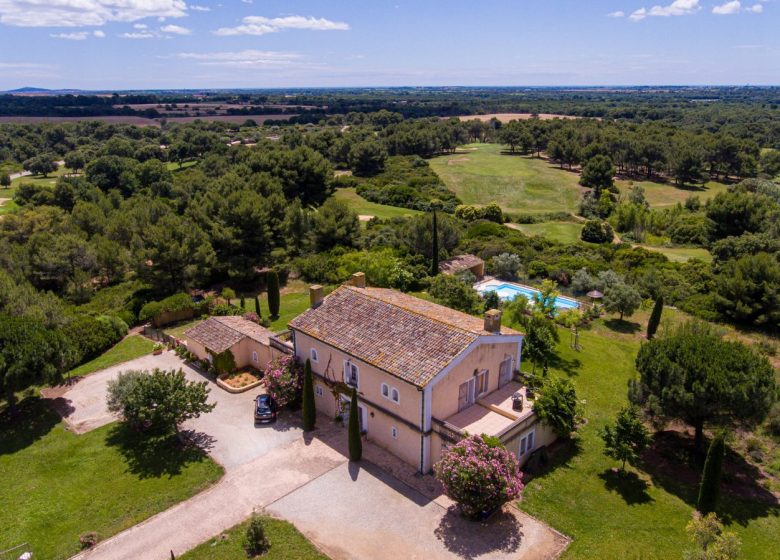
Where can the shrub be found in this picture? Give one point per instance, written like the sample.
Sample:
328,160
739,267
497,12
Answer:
710,540
283,380
176,302
256,541
93,335
557,405
597,231
224,362
492,212
88,540
773,420
480,475
251,316
627,438
158,401
450,291
273,293
505,265
492,300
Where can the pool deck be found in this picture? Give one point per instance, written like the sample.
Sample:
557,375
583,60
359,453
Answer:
489,282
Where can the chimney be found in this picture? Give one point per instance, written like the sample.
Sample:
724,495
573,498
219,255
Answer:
359,280
315,295
493,321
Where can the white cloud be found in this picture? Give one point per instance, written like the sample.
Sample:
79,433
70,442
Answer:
618,14
676,8
728,8
139,35
99,34
259,25
244,59
755,8
140,26
79,13
196,8
22,65
77,36
176,30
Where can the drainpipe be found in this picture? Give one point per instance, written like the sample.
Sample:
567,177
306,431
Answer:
422,429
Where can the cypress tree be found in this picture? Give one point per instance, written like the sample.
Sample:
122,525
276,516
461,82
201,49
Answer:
709,491
435,246
243,302
655,318
309,408
355,443
257,307
273,294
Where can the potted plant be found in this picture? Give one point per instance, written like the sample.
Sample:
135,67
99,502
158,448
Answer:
158,349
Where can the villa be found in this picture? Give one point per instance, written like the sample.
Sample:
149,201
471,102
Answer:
426,375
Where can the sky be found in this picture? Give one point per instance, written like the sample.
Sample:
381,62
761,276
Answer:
157,44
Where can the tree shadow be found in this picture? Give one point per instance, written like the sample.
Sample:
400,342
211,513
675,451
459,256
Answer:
631,488
671,464
30,421
500,533
622,326
558,456
570,367
154,456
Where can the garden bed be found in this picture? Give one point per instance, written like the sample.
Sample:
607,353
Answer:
240,381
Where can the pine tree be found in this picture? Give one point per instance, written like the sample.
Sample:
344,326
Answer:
273,294
257,308
435,246
655,318
309,407
709,490
355,443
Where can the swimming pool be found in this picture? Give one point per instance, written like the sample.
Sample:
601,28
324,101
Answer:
508,291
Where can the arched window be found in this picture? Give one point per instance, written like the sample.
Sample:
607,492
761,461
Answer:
395,396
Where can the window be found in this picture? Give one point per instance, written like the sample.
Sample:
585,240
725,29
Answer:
395,396
390,393
318,390
394,432
527,443
482,382
314,355
254,357
351,376
385,391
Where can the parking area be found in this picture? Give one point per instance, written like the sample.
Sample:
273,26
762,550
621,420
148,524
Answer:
228,431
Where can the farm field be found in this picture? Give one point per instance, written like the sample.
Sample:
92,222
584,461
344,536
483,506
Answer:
481,174
143,121
663,195
641,515
506,117
364,207
563,232
60,485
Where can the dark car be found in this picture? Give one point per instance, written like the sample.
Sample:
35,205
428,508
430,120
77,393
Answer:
265,409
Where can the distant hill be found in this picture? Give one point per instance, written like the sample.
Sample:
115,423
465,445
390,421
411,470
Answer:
41,91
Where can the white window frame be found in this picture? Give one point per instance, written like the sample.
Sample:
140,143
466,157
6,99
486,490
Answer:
384,389
354,370
484,376
394,432
395,395
313,355
527,443
254,356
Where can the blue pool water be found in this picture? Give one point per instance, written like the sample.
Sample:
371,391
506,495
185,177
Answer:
508,292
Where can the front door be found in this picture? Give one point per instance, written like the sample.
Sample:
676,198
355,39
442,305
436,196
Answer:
362,414
505,371
466,394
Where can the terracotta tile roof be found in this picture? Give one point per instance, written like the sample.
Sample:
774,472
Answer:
221,333
405,336
460,263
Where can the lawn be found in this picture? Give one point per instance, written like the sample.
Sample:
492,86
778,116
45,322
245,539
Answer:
286,543
127,349
481,174
57,485
642,515
49,180
681,254
563,232
174,165
663,195
364,207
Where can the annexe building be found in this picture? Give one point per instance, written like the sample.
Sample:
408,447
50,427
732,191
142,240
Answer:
426,375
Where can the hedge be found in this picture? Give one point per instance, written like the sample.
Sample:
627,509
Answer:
176,302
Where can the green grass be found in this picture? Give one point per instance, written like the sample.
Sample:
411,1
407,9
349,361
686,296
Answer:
364,207
174,166
127,349
286,543
49,180
663,195
483,175
57,485
563,232
681,254
639,516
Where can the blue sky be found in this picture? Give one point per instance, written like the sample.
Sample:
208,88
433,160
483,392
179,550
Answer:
125,44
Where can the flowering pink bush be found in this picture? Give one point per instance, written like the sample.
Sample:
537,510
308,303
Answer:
283,379
479,474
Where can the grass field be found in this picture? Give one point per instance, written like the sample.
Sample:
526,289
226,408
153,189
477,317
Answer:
662,195
57,485
286,543
174,166
480,174
681,254
364,207
563,232
642,515
49,180
127,349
